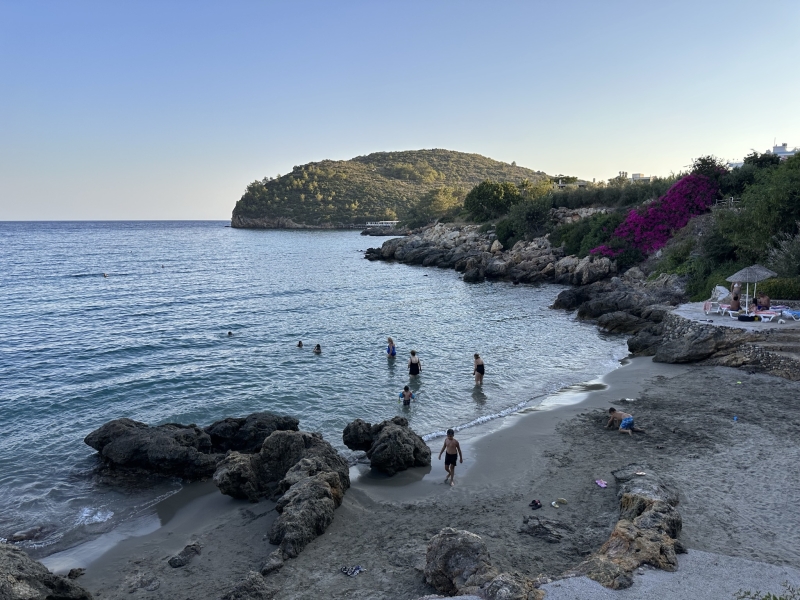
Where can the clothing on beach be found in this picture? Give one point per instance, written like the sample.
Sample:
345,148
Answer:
627,423
413,367
450,459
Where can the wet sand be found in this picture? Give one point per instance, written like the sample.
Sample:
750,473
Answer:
737,483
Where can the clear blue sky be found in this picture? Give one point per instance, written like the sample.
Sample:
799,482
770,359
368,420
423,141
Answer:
167,110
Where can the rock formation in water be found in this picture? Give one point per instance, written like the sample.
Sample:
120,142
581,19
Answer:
186,451
391,446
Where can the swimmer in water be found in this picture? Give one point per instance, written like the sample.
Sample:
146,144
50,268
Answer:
317,349
407,396
230,333
478,369
414,364
391,350
300,344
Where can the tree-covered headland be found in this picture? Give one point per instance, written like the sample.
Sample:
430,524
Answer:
416,186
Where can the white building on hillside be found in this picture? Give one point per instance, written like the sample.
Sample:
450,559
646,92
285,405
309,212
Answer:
640,178
783,151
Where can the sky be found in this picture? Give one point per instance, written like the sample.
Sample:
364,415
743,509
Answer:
167,110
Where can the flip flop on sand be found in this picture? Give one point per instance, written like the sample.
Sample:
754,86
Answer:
561,501
352,571
600,482
554,504
535,504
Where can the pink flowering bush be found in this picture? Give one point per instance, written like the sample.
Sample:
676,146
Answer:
649,228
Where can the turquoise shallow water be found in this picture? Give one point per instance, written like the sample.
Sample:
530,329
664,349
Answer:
149,342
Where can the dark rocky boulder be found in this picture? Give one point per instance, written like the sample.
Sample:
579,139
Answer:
391,446
646,341
357,435
22,578
621,322
373,254
617,301
248,434
474,275
571,298
254,476
182,450
171,449
697,345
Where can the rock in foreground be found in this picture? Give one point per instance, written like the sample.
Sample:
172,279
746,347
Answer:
22,578
646,531
458,563
391,446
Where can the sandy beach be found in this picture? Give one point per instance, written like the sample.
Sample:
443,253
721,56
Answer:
739,499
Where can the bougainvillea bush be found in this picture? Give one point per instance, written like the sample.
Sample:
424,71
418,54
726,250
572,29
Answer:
649,228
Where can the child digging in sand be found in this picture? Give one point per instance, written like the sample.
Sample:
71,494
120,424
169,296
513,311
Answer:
624,420
453,450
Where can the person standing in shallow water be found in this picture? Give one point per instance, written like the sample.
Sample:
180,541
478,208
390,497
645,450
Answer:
453,451
414,365
478,369
391,350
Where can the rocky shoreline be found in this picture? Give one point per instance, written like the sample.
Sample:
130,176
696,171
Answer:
627,303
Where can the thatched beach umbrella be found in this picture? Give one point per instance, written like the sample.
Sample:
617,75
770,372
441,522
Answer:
751,274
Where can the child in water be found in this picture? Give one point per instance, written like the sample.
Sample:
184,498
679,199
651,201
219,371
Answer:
391,350
407,396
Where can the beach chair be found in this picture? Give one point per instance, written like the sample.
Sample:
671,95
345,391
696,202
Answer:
794,314
767,315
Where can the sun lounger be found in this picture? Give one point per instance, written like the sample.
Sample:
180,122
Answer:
716,308
767,315
794,314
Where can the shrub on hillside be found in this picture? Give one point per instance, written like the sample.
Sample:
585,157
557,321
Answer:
580,237
784,256
491,199
649,228
781,288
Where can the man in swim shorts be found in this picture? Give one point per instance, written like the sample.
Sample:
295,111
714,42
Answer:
624,420
453,451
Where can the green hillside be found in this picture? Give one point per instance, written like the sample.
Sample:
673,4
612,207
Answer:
383,185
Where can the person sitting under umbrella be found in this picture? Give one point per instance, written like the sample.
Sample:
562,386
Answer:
763,301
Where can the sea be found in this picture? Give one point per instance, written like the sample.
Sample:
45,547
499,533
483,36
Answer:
194,321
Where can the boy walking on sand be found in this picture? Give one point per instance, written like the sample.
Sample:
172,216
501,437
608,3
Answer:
453,450
624,420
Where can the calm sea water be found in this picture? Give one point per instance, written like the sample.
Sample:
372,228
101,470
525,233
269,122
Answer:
150,342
